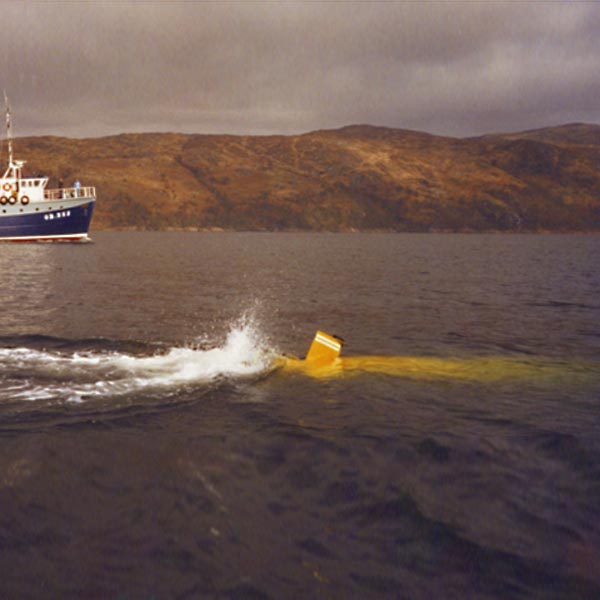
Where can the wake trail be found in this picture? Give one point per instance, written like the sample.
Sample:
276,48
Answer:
32,374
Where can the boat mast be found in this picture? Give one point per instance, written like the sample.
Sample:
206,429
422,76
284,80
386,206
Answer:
8,133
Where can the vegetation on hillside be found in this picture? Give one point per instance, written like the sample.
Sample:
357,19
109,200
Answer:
354,178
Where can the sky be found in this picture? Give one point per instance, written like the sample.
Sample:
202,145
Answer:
458,68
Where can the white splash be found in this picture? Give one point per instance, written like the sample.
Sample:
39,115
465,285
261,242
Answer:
27,374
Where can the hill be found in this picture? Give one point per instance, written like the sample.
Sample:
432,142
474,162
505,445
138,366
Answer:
355,178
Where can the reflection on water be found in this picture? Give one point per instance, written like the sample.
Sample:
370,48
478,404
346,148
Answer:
28,283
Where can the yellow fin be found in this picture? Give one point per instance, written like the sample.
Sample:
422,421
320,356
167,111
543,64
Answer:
324,349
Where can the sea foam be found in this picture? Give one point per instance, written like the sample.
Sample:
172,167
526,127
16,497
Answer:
32,374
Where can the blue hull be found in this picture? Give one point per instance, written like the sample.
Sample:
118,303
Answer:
67,224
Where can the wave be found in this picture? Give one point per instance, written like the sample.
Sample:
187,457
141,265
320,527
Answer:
54,370
57,373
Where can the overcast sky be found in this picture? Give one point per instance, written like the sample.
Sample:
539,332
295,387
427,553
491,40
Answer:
86,69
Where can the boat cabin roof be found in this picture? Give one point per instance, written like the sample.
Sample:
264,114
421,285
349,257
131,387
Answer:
13,172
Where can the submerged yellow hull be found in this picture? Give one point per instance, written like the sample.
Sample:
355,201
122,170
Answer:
324,361
419,367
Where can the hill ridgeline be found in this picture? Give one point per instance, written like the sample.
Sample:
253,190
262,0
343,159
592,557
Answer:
354,178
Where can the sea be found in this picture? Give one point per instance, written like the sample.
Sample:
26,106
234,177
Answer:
154,443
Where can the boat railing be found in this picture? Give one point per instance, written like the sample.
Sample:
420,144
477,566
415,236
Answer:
67,193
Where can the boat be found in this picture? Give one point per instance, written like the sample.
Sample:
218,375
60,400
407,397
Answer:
30,211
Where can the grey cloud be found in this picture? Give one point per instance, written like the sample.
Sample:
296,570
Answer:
455,68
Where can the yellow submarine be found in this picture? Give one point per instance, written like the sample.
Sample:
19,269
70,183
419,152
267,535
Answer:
324,360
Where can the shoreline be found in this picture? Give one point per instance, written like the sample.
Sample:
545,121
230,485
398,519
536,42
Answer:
345,231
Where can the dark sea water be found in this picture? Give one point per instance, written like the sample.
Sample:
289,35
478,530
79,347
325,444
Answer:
152,446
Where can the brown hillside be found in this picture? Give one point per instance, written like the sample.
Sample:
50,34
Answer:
571,134
355,178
